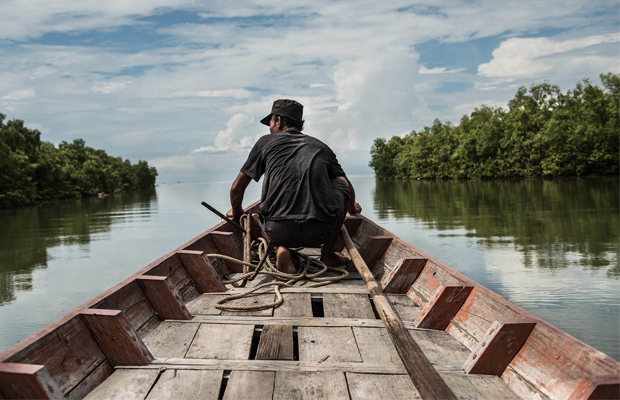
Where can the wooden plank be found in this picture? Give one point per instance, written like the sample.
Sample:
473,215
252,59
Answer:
483,387
125,384
169,339
131,300
406,271
393,387
337,343
443,306
255,385
499,346
295,321
522,387
353,288
310,385
88,384
295,305
205,243
385,265
227,244
337,305
69,353
423,375
252,300
203,304
172,268
164,299
115,336
598,387
376,347
276,343
26,381
404,307
440,348
186,384
365,230
374,248
430,279
199,268
222,342
351,223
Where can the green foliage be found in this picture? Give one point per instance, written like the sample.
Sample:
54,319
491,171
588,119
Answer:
33,170
544,132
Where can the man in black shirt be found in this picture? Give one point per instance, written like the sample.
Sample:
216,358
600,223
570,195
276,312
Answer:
306,194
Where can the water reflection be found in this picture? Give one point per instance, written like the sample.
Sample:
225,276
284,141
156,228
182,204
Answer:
28,234
553,223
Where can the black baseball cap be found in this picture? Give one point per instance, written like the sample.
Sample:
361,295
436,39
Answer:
287,108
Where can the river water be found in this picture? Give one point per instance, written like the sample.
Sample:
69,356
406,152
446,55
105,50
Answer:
550,246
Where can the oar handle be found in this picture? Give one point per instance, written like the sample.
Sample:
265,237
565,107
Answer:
224,217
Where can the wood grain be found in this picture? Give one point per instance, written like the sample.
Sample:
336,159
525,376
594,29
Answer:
443,306
203,304
598,387
163,297
373,249
393,387
404,307
228,244
183,384
131,300
376,347
310,385
200,270
170,339
255,385
482,387
252,300
125,384
276,343
26,381
295,305
177,276
406,271
337,343
340,305
94,379
222,342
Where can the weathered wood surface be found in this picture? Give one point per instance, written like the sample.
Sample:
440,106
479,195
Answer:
228,244
483,387
252,300
276,343
337,305
406,271
203,304
169,339
205,243
295,321
185,384
295,305
521,387
164,298
424,376
376,347
351,223
344,286
501,343
598,387
172,268
337,343
404,307
25,381
373,248
255,385
443,306
125,384
203,274
440,348
310,385
222,342
94,379
393,387
116,338
131,300
430,279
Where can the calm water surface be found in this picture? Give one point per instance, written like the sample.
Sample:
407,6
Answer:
551,247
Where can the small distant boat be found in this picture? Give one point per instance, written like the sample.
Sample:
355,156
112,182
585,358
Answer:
158,335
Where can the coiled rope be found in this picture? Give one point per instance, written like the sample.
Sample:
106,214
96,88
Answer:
310,269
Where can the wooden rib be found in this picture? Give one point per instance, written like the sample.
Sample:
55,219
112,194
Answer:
226,243
598,387
26,381
403,275
425,378
199,268
351,223
499,346
117,339
164,299
373,249
443,306
276,343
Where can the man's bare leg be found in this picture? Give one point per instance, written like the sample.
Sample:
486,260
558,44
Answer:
284,261
328,251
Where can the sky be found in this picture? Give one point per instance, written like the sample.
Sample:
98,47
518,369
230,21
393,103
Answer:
183,84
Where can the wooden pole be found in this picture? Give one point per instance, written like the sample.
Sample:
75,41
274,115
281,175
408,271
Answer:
424,376
225,218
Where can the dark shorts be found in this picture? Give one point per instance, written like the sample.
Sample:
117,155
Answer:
305,233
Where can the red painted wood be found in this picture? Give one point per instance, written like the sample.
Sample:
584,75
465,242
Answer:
27,381
130,299
228,244
444,305
598,387
373,249
404,274
499,346
205,277
116,337
164,299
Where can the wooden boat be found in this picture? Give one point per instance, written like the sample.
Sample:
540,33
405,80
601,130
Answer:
157,335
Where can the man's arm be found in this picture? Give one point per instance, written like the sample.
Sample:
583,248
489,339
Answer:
352,207
237,190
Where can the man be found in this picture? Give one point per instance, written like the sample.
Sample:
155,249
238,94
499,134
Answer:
306,194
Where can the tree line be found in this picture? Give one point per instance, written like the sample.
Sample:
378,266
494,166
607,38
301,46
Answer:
33,170
543,132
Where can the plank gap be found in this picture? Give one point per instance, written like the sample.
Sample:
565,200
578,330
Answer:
317,306
225,377
374,309
295,344
258,330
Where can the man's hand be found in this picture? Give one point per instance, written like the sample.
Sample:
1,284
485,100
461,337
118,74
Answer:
356,209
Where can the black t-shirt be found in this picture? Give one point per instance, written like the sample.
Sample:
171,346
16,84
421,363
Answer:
298,172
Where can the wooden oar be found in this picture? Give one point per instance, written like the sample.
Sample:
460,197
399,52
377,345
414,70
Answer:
225,218
423,375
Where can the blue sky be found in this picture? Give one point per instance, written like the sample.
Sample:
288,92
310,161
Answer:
183,84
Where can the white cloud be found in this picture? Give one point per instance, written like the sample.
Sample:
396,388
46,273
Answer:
22,94
438,70
526,57
239,135
110,86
